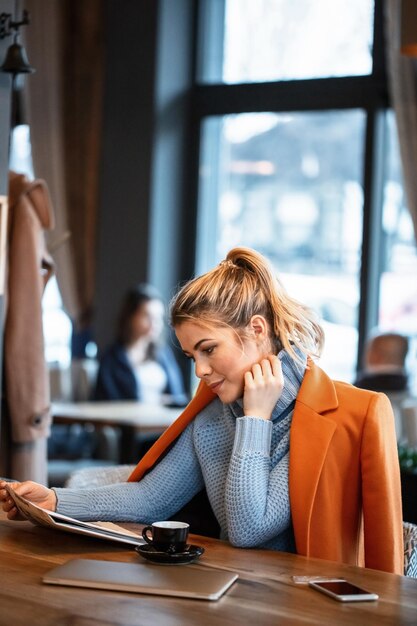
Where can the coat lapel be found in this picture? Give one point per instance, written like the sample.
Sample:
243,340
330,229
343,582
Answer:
203,396
310,435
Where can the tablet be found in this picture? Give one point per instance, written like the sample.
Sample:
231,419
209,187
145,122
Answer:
181,581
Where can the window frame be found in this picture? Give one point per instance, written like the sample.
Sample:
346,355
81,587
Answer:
369,93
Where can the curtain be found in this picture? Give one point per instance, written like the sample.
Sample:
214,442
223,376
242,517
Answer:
402,79
64,110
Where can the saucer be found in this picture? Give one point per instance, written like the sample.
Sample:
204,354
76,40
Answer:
188,556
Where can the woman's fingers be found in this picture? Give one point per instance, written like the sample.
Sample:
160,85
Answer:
27,488
11,511
263,387
275,365
3,490
7,503
257,371
267,369
34,492
9,507
4,495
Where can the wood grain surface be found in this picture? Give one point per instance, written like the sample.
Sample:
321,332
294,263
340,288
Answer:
264,594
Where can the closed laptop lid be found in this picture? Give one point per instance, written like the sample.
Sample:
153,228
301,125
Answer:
188,581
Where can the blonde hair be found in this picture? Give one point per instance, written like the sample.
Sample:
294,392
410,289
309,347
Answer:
243,285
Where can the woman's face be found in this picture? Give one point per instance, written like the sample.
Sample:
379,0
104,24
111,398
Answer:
148,321
221,356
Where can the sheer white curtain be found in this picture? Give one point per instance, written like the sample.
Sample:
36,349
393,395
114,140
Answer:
64,107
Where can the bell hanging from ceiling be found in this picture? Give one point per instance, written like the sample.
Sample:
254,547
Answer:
16,61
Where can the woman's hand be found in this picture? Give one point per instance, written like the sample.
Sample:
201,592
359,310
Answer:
34,492
263,387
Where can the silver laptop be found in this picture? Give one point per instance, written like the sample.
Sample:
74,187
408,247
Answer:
181,581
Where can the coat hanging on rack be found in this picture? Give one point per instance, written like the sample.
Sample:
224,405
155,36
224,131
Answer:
26,383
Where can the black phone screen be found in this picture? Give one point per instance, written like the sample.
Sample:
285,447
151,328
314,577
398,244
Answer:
341,588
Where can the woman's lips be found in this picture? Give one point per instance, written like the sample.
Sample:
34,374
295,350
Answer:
216,386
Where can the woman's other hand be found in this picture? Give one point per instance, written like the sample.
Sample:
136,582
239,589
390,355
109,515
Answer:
263,387
34,492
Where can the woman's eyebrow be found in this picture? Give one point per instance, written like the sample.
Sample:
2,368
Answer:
198,344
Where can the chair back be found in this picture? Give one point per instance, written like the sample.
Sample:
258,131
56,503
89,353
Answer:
410,549
409,422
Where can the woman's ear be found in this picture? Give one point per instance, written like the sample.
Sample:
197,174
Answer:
259,327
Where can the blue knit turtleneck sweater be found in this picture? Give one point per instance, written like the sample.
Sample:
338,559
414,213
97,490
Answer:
241,460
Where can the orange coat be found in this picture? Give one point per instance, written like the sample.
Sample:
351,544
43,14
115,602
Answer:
344,477
345,489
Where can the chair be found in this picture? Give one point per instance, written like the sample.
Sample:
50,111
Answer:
410,549
72,448
397,399
98,476
409,419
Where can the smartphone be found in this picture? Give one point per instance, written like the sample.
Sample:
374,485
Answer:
342,590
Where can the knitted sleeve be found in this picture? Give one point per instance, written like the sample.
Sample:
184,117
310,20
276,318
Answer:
257,493
162,492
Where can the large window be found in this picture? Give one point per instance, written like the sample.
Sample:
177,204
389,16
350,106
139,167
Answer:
249,41
289,185
305,170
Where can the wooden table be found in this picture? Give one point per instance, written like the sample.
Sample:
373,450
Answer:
264,594
129,416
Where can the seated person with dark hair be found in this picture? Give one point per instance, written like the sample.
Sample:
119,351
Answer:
138,366
385,356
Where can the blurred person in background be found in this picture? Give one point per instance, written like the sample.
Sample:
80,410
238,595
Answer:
139,365
384,363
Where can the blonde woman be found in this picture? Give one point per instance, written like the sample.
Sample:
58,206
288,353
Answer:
290,459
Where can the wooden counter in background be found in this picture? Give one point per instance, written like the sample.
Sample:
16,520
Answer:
130,416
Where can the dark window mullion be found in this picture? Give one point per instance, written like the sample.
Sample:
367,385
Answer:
371,261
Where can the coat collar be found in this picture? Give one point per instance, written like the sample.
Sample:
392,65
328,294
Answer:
317,391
